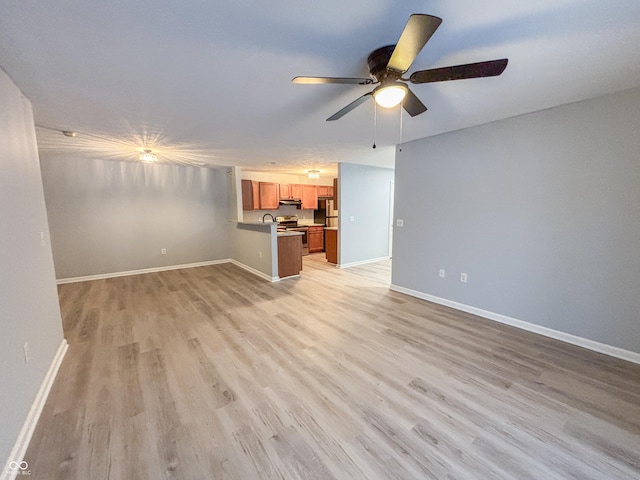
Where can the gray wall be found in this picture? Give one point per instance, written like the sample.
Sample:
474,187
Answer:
541,211
364,194
109,216
29,309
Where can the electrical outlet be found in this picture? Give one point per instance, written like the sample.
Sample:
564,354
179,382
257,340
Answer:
400,222
441,273
163,251
27,353
352,218
463,277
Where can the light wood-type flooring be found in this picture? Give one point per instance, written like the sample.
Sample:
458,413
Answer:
213,373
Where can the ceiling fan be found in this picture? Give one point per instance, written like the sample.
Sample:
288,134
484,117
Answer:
388,64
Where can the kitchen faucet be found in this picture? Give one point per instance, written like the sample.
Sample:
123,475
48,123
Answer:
272,219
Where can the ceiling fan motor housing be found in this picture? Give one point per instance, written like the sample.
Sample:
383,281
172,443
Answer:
378,61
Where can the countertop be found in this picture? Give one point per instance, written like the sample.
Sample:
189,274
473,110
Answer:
289,233
331,228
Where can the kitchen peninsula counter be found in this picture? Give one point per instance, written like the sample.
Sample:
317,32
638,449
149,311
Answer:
289,254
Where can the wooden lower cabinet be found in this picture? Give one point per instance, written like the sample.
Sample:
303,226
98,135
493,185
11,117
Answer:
289,255
331,245
316,239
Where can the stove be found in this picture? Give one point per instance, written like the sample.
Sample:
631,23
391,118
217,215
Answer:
290,223
287,221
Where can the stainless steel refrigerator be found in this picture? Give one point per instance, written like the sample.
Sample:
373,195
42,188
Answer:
326,214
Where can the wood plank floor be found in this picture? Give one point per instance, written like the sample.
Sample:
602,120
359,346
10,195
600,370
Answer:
213,373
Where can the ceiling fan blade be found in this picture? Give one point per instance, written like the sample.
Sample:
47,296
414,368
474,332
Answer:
325,80
491,68
415,35
349,107
412,104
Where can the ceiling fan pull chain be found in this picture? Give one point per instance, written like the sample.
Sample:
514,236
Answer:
375,123
400,145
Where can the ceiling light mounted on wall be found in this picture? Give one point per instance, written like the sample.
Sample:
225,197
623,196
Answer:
147,156
313,173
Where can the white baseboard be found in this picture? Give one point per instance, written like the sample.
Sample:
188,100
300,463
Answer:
531,327
362,262
20,447
255,272
103,276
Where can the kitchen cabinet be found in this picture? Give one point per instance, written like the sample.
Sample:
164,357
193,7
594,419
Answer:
289,255
259,195
296,191
325,191
309,197
316,238
250,195
269,196
292,191
335,193
331,245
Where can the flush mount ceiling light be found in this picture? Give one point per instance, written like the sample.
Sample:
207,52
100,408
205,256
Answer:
313,173
147,156
390,95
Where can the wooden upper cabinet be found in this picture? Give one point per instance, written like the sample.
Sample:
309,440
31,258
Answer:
260,195
309,197
250,195
323,191
296,191
269,195
335,193
285,191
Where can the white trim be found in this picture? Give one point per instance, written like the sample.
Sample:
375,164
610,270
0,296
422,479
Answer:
255,272
103,276
628,355
362,262
287,278
22,442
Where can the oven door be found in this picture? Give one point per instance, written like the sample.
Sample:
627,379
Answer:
305,237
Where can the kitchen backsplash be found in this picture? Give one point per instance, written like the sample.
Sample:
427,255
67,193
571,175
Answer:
304,216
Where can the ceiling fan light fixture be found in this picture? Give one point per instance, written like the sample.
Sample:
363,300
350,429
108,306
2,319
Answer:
147,156
390,96
313,173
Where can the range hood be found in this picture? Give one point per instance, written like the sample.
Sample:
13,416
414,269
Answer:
285,201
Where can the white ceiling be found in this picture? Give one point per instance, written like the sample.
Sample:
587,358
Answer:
209,82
